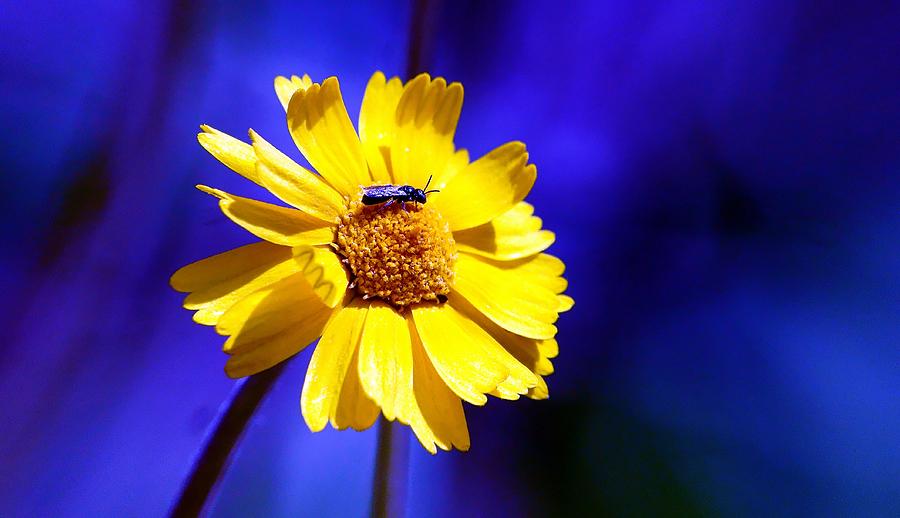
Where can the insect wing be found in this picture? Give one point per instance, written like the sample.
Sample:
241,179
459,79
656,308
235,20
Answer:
380,193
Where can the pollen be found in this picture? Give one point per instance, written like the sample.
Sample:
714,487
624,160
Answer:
401,255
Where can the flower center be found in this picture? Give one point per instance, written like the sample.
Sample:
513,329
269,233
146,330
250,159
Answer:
401,256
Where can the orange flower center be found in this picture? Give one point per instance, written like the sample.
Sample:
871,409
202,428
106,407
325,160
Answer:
401,256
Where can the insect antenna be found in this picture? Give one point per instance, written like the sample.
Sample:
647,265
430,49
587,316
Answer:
425,190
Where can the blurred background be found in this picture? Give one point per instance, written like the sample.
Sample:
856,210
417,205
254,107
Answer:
721,176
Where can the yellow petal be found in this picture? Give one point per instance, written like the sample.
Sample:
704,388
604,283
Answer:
354,409
457,163
294,184
237,155
271,325
376,124
425,121
328,366
322,130
520,378
440,420
487,187
511,235
267,311
533,354
543,270
548,348
565,303
385,361
275,224
520,307
218,282
541,391
324,272
529,352
285,88
457,354
223,267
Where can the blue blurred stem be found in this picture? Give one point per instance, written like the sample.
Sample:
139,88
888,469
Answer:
391,464
224,433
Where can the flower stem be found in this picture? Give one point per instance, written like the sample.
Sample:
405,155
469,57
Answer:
419,45
391,460
223,435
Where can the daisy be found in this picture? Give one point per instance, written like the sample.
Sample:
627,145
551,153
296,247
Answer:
417,306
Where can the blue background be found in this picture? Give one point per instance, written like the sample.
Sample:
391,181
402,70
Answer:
721,176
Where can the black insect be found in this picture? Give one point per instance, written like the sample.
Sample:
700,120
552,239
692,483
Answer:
390,194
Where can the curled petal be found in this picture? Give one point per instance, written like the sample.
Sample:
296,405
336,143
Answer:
324,272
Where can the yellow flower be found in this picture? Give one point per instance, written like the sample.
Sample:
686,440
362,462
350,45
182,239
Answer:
418,306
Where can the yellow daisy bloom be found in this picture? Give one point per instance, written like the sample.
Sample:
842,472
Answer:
417,306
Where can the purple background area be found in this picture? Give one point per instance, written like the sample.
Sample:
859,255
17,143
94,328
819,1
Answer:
721,176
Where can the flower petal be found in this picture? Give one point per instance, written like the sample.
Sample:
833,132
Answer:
487,188
457,163
543,270
541,391
271,325
520,378
458,354
533,354
376,124
237,155
267,311
328,366
218,282
322,130
511,235
294,184
440,420
275,224
425,120
565,303
354,409
529,352
520,307
285,88
385,361
324,272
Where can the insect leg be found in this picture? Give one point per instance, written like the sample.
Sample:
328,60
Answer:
388,204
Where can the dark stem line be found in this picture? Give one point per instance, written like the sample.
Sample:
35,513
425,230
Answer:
224,433
419,45
382,469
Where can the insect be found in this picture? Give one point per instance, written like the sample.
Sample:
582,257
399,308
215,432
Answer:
390,194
